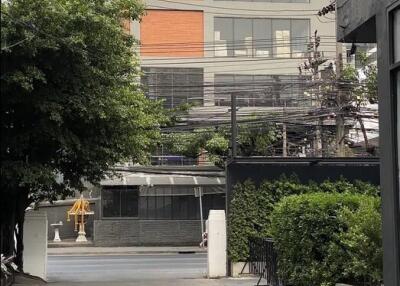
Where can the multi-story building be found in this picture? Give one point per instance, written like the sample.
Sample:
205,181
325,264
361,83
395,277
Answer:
200,52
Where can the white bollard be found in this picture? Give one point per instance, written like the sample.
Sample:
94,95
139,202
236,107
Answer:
35,243
216,248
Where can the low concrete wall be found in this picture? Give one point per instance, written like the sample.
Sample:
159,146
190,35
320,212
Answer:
124,232
57,212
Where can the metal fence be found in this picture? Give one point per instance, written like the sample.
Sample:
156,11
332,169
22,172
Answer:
263,261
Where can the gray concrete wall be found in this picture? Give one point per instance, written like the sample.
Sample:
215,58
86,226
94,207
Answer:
124,232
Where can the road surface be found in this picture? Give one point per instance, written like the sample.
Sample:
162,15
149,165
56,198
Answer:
124,268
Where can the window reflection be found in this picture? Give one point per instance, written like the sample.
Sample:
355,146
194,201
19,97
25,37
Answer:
175,86
282,38
261,90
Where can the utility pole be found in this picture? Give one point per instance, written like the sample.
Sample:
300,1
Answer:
340,122
284,135
315,61
233,125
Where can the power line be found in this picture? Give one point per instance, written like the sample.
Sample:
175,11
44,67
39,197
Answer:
240,9
201,43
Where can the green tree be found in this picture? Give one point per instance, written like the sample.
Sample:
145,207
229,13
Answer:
70,104
252,141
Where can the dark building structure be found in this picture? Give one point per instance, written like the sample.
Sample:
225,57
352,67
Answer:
157,205
378,21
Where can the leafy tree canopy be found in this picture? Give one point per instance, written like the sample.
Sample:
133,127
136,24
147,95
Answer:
252,141
70,100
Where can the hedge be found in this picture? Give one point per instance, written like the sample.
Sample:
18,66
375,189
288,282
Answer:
323,239
251,207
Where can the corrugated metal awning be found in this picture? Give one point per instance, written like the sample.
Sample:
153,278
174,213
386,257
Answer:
142,179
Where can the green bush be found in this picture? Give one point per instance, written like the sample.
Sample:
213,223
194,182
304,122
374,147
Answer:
251,206
325,238
363,242
250,209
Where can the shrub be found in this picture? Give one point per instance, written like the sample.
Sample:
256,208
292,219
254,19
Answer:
320,238
363,242
251,207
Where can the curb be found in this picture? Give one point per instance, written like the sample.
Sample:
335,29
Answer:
182,252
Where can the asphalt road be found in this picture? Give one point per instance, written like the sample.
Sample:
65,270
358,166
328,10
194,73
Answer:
125,268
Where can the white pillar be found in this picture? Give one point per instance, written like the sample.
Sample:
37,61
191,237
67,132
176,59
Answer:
35,243
216,244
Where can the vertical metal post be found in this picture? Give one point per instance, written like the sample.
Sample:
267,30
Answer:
233,125
198,192
201,209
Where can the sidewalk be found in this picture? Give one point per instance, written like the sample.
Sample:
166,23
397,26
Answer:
93,250
170,282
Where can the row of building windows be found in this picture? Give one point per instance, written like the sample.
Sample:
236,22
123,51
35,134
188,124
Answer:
247,37
177,86
261,90
176,203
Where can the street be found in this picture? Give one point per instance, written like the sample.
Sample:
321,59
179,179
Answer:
125,267
138,269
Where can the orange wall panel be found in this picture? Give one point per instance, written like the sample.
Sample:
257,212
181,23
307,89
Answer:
165,32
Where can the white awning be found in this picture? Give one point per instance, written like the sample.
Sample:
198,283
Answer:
145,179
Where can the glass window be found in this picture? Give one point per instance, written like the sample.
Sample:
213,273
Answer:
245,88
281,38
223,88
165,80
117,202
111,202
263,93
175,86
223,37
262,38
129,203
243,37
261,90
300,37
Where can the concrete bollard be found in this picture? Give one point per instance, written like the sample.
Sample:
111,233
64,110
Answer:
216,248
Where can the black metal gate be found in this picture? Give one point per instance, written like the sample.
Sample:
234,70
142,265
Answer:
263,261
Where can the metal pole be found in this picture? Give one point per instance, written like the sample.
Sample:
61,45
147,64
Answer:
233,125
201,209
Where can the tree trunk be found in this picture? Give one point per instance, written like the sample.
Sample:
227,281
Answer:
340,134
364,132
13,207
21,204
